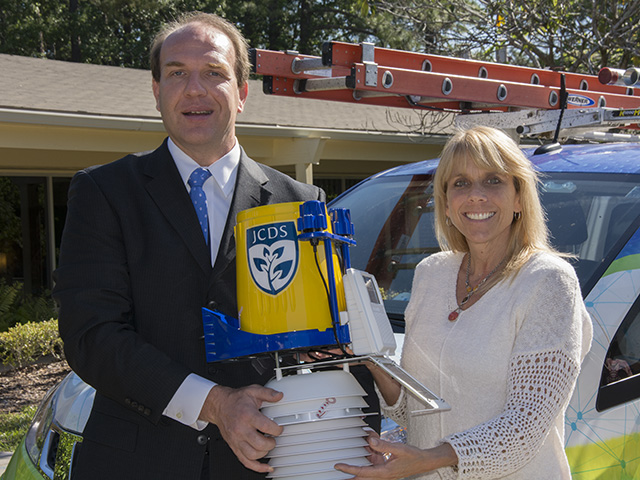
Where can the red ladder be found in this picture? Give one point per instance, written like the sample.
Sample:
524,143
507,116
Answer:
363,73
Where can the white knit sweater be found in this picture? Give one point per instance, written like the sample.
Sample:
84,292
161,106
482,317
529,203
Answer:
507,366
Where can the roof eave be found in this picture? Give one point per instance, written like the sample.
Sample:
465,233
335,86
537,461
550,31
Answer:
84,120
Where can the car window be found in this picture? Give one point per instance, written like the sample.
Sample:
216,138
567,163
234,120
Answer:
589,216
393,219
620,380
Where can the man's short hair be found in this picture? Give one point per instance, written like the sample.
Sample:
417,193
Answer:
242,66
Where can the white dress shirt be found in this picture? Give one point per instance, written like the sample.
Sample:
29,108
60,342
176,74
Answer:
187,402
219,191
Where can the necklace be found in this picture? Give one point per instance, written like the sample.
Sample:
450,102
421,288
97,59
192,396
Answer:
470,291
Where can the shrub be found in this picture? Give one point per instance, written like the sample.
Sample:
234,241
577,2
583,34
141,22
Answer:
16,307
24,344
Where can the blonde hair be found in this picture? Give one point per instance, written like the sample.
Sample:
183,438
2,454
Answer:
242,65
492,149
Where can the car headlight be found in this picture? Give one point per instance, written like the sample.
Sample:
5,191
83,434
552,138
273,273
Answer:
57,426
38,434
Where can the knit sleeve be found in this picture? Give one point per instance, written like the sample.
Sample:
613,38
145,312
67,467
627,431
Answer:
544,365
399,412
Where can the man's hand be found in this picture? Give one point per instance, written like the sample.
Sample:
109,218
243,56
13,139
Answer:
236,413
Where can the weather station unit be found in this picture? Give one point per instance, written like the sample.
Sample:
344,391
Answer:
298,295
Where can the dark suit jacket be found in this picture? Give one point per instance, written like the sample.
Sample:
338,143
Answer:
134,274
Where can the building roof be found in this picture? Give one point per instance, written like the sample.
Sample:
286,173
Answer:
64,87
51,86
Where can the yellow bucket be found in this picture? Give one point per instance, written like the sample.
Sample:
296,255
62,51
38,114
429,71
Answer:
279,287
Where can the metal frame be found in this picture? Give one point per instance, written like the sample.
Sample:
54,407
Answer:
430,400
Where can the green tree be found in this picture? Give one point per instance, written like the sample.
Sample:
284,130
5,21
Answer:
118,32
26,28
435,27
575,35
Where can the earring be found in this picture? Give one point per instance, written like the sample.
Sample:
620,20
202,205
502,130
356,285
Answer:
517,216
447,221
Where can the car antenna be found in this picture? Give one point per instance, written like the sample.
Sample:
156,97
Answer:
555,145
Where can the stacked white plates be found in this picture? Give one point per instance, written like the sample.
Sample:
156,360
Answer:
322,416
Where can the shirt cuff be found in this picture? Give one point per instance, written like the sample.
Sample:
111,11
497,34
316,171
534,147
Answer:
187,402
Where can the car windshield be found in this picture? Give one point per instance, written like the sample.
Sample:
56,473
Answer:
589,215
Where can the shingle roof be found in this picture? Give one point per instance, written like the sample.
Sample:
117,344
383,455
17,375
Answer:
76,88
55,86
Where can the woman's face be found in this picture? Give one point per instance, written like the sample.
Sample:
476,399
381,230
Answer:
481,204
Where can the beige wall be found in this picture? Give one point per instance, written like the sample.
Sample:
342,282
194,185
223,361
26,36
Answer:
27,149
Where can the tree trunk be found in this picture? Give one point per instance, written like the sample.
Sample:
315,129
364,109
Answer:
76,55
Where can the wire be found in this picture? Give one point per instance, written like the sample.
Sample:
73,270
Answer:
334,321
312,353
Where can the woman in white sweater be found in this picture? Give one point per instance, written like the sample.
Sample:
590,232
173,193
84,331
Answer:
495,325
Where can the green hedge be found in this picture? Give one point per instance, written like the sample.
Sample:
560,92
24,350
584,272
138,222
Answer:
24,344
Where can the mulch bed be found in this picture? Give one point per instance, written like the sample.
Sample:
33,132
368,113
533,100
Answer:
28,385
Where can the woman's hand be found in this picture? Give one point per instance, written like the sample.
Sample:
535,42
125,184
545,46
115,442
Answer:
376,458
402,460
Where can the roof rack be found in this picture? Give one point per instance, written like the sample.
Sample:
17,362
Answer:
532,100
535,122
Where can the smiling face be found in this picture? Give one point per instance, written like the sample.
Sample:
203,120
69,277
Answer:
198,94
481,204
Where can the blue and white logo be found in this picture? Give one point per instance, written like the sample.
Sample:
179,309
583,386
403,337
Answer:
272,251
580,100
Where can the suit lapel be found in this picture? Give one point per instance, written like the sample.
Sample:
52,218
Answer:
251,190
168,192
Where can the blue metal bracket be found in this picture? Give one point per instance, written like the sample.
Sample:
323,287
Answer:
307,236
224,340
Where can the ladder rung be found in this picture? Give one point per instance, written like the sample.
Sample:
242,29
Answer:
299,65
321,84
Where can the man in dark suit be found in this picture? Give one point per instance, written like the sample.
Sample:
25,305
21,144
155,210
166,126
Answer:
137,263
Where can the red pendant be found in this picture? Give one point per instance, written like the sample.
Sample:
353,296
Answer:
453,316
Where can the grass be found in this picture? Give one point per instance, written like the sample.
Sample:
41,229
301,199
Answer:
13,427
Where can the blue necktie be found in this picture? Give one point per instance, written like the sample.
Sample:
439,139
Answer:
199,199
